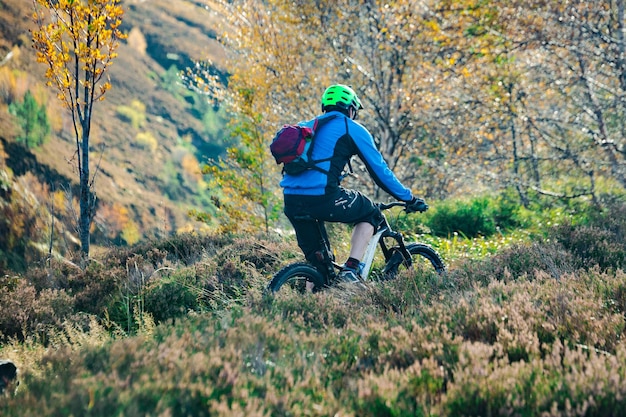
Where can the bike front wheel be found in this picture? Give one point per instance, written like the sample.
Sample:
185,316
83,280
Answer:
299,277
422,257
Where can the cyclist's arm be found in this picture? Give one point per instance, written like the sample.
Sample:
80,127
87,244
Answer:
376,164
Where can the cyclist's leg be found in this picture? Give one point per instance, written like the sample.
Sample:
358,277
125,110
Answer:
307,231
350,207
353,207
344,206
361,235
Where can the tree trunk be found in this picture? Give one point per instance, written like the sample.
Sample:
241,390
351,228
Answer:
621,38
85,197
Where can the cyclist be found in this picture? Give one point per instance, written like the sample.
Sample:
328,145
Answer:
317,193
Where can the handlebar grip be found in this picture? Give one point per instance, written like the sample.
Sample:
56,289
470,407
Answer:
420,206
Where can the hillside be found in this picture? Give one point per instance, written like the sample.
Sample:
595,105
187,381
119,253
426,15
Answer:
147,182
182,327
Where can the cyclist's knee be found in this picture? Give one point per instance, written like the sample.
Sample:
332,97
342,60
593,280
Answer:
374,218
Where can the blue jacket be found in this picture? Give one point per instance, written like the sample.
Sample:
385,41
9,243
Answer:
340,139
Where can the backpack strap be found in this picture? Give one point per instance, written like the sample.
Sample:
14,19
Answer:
318,123
350,170
311,163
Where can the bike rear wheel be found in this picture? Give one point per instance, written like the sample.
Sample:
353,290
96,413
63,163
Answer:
299,277
422,257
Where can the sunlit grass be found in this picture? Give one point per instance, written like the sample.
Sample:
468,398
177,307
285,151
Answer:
458,247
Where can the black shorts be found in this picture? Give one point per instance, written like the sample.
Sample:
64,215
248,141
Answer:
344,206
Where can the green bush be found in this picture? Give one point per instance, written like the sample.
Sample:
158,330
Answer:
480,216
469,218
173,296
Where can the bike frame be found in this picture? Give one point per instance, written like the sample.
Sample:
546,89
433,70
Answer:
384,230
368,258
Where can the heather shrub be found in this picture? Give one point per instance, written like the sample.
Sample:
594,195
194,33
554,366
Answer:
95,287
308,312
613,290
17,298
519,260
526,259
341,353
262,254
409,291
567,381
92,287
186,373
238,268
26,312
393,298
226,284
597,238
525,331
183,248
521,316
413,391
172,296
592,245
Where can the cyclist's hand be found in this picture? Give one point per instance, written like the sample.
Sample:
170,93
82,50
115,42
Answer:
417,204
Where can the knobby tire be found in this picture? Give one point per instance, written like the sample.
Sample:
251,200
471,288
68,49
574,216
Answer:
296,276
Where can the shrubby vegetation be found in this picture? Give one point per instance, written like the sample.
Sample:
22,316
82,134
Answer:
135,113
475,216
182,326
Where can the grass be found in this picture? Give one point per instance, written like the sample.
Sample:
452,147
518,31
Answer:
520,325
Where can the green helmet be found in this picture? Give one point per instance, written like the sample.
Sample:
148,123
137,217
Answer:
341,96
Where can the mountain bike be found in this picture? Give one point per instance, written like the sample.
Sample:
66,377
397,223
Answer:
304,276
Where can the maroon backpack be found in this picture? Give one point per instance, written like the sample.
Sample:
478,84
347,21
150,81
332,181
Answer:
293,145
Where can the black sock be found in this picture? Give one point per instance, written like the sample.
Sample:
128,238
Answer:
352,263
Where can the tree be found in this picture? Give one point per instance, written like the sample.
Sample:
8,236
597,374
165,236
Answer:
32,119
392,54
243,176
584,70
244,199
547,91
77,40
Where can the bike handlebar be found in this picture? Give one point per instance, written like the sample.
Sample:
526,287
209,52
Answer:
387,206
